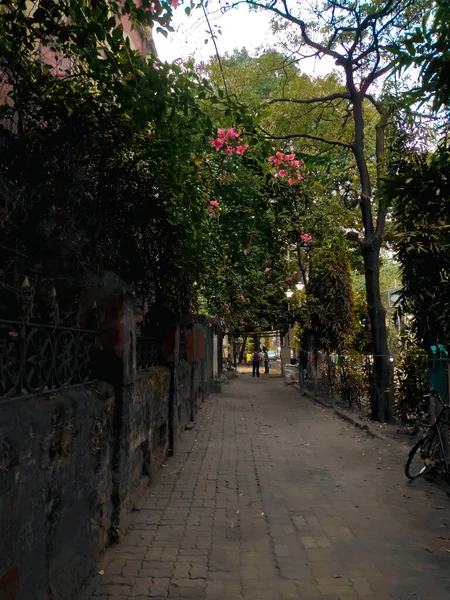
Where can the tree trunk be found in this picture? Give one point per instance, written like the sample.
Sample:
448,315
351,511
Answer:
382,397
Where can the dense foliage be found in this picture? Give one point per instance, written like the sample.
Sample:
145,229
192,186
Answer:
330,298
107,165
421,195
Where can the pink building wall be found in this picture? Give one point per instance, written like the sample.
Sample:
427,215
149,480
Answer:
139,41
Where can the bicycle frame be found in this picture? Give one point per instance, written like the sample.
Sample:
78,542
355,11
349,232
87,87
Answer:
442,419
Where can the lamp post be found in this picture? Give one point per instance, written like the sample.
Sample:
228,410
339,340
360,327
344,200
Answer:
285,353
289,295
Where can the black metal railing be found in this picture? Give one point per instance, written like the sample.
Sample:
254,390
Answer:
148,352
36,357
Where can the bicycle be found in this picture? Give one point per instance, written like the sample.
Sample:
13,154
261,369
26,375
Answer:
430,452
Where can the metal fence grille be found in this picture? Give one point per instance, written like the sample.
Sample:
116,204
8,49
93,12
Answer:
35,357
148,351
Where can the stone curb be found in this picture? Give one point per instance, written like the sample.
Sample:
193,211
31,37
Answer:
342,414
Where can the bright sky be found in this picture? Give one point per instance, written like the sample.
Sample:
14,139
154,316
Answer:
239,27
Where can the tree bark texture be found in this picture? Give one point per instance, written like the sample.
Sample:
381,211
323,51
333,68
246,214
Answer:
382,396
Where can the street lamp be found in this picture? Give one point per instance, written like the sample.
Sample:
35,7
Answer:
289,293
299,286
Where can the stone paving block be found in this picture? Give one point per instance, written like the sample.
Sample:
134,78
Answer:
116,580
274,500
141,588
362,586
197,593
116,567
198,571
131,567
159,587
119,591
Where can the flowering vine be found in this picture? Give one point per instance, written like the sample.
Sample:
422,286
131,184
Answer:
290,167
214,208
229,141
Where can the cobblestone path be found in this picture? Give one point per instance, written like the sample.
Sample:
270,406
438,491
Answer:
271,497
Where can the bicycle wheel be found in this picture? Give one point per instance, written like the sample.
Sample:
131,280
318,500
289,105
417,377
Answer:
421,458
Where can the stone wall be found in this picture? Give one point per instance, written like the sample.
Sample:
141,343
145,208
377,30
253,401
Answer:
55,490
73,463
183,394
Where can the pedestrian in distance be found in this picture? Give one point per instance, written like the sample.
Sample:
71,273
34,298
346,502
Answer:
266,360
256,357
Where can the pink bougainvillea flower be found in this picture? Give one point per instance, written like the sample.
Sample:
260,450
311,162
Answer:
221,132
155,65
214,203
228,311
229,150
299,176
282,173
241,297
240,250
288,278
175,3
241,321
245,252
289,156
295,163
266,270
294,273
241,149
302,163
231,134
271,158
217,143
292,181
280,155
277,162
206,276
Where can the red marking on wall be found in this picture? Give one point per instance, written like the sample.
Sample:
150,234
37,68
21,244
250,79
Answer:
9,584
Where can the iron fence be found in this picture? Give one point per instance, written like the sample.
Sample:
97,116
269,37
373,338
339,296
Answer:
148,351
36,357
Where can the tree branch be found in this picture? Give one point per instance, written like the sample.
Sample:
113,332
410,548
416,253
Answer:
287,15
216,49
343,96
307,136
367,82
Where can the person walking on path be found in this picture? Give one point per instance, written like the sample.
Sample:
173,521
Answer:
266,360
255,363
